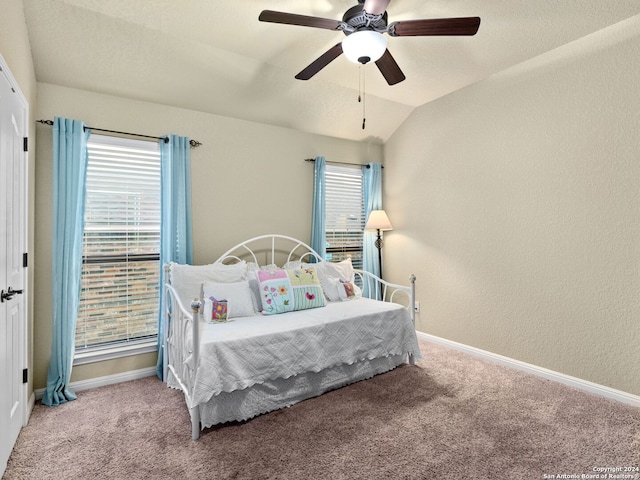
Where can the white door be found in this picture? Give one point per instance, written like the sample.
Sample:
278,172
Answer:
13,212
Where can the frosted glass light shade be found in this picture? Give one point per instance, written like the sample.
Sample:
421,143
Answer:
378,220
364,46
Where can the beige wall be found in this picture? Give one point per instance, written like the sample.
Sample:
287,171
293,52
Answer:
248,179
16,51
516,203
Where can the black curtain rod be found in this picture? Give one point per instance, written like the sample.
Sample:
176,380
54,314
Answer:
312,160
192,143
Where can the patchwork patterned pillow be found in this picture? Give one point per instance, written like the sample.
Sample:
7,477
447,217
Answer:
307,290
275,291
284,290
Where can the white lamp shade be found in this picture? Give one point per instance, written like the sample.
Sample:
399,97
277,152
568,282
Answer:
364,44
378,220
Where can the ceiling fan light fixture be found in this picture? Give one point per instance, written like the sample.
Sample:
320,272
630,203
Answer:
364,46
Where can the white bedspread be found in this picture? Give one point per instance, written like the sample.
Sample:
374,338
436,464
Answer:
251,350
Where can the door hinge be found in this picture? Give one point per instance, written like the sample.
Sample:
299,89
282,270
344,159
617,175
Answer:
25,260
25,375
25,144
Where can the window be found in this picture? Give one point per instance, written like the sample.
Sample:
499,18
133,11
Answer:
121,245
344,213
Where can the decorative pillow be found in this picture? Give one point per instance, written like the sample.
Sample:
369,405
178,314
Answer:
216,310
237,295
347,290
307,290
343,269
330,271
284,290
275,291
188,279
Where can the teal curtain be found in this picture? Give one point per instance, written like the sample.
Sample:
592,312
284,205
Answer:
318,235
372,197
69,175
176,236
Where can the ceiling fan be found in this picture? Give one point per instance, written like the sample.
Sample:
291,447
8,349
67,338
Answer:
364,25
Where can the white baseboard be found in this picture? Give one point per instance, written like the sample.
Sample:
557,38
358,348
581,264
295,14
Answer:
106,380
568,380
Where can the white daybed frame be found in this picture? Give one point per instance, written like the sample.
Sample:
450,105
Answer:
181,342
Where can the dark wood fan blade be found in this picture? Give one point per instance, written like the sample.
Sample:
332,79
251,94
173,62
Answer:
322,61
435,26
294,19
390,69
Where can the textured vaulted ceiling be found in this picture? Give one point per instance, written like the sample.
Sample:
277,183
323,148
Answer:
215,56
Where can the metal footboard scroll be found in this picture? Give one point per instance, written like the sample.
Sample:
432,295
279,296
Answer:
384,291
181,351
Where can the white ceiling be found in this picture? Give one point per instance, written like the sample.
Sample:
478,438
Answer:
217,57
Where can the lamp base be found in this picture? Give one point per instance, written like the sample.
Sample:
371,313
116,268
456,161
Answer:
378,245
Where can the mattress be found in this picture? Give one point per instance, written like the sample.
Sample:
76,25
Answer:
253,350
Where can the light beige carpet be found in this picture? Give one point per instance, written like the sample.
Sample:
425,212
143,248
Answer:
450,417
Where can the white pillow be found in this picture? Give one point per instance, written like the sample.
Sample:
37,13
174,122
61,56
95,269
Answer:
237,294
295,264
188,279
254,285
343,269
328,272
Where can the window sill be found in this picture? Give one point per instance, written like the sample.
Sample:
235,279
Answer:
117,351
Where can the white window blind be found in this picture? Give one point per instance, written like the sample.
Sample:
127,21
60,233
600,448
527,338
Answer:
121,247
344,213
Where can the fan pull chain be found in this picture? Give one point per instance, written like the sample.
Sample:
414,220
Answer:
359,83
362,94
